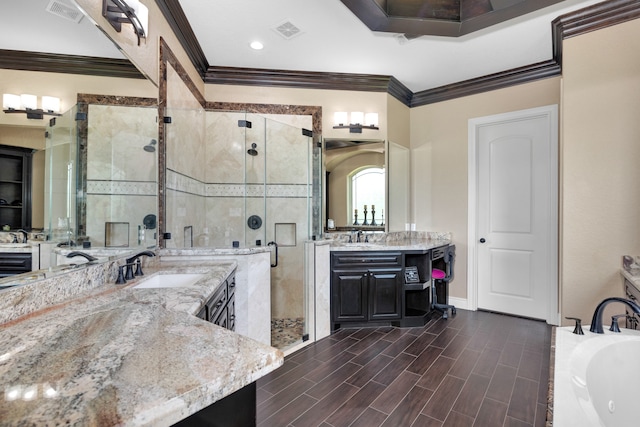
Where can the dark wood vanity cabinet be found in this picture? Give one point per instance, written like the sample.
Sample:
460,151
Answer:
366,287
12,263
15,187
220,308
374,288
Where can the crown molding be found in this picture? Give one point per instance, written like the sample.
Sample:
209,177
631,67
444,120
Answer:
69,64
572,24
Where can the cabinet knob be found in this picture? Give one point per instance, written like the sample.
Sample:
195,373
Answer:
482,240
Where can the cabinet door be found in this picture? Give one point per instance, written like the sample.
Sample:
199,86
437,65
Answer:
349,295
385,294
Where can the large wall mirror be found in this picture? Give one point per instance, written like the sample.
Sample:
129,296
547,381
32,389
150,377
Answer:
366,185
355,184
95,166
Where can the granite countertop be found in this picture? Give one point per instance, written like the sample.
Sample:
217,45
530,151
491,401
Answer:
125,356
634,279
394,245
16,247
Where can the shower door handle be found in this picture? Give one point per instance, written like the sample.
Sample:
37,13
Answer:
276,245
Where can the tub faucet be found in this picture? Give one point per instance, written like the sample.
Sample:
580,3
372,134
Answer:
596,322
130,263
82,254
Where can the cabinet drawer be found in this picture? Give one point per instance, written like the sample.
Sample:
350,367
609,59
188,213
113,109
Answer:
14,263
437,253
216,304
366,259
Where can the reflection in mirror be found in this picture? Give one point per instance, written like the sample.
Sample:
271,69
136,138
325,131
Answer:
117,204
95,165
355,179
399,163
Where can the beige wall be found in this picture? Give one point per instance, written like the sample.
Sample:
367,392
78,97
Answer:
398,119
330,101
600,218
66,87
439,139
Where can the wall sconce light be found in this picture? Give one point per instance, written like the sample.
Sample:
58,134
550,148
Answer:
358,121
28,104
131,12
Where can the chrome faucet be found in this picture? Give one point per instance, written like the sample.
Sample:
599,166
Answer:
82,254
596,321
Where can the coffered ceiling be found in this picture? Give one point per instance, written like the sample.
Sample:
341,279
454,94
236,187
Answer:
453,18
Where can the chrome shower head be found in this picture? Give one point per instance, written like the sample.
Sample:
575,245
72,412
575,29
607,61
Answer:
252,151
151,147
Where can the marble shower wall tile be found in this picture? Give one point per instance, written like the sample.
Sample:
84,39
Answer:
121,175
117,135
225,220
225,148
185,134
103,208
185,210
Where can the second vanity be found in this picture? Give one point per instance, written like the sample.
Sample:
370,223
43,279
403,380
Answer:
383,283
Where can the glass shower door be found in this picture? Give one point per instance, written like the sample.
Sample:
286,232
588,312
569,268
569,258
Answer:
277,214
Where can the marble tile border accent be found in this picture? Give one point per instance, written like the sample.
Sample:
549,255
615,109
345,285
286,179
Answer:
122,188
184,184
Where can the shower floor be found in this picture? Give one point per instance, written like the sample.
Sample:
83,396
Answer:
286,332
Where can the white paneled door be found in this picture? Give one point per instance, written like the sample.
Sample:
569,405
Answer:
515,213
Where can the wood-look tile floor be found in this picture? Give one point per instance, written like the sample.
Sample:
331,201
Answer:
474,369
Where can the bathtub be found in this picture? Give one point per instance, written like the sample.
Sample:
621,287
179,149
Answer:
595,378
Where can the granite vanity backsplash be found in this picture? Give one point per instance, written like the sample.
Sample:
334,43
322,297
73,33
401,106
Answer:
45,288
396,236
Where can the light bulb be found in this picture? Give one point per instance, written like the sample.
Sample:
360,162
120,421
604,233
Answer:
340,118
357,117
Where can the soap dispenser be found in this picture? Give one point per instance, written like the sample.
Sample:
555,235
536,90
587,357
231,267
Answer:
203,239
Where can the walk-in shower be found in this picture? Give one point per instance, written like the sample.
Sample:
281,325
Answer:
251,183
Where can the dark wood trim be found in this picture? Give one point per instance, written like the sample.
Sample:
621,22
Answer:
569,25
516,76
377,19
69,64
591,18
297,79
174,15
295,110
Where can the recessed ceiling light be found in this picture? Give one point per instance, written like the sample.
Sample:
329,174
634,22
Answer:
256,45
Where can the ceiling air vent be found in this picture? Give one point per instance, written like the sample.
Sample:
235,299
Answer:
65,11
287,30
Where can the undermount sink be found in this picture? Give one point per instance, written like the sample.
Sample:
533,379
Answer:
170,280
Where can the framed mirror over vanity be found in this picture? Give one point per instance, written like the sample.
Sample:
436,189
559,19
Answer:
366,185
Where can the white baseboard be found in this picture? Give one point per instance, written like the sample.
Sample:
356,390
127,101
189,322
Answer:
461,303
